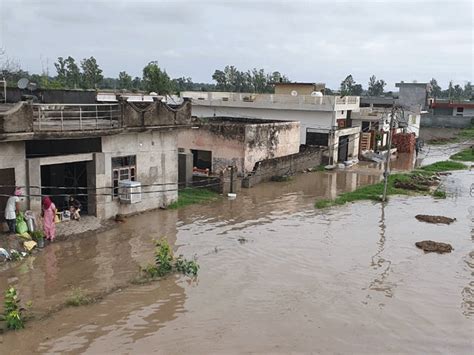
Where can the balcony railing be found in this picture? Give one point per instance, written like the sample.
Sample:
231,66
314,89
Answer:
75,117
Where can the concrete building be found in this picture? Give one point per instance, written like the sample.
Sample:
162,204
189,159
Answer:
324,120
296,89
89,151
449,114
219,142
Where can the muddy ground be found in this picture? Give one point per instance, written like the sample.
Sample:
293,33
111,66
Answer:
346,279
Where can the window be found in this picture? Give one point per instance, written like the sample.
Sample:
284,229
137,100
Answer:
123,168
459,111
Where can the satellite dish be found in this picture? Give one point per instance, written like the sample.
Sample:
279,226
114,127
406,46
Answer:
294,93
32,86
22,83
153,93
317,94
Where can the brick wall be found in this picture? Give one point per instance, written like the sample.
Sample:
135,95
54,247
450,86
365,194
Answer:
405,142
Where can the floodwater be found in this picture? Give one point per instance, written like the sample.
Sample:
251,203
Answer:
276,275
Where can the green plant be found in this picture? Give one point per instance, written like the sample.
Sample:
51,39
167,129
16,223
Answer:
78,298
37,235
165,263
13,312
187,267
163,257
464,155
189,196
15,255
439,193
444,166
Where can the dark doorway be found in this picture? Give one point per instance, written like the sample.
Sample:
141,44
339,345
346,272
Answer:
202,159
7,187
63,180
343,148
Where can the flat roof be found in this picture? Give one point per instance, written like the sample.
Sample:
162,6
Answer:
240,120
299,83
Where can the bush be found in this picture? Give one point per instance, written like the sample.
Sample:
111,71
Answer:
13,315
165,263
78,298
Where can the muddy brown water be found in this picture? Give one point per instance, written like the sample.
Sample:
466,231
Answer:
345,279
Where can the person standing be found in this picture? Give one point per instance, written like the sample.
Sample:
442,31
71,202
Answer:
12,209
49,214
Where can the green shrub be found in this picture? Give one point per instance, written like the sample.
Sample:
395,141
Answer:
190,195
464,155
13,312
444,166
78,298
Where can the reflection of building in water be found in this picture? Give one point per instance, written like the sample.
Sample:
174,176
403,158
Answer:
403,162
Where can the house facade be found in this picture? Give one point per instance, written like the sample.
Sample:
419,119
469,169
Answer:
219,142
324,120
93,152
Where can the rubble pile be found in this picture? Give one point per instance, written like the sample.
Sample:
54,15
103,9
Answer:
434,219
430,246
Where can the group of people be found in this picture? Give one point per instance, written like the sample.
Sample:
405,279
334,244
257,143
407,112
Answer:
48,213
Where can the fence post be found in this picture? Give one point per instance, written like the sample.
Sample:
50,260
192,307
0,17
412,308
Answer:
80,117
111,124
96,118
62,120
39,117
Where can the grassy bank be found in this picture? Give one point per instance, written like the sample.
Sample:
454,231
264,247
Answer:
464,155
463,135
417,182
192,195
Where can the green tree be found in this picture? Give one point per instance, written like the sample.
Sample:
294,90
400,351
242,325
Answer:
349,87
137,84
124,81
91,73
156,80
457,93
467,94
375,86
435,88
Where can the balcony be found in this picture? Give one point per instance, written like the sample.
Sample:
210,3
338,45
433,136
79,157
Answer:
75,117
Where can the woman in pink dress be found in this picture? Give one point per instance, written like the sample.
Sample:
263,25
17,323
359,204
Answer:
49,213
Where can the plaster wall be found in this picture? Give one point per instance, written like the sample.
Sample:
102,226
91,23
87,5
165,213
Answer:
307,119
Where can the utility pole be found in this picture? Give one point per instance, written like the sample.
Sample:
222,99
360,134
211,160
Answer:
386,172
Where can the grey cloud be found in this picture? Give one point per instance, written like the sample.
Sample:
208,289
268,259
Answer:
308,40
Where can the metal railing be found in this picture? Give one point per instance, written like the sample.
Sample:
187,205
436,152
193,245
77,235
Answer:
75,117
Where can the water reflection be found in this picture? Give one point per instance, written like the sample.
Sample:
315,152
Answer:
381,264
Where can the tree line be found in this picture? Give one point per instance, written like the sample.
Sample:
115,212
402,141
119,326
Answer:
376,88
87,74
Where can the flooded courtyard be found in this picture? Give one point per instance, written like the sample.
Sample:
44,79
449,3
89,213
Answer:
276,275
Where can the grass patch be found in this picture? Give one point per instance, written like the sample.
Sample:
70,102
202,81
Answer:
416,182
464,155
464,134
77,298
439,194
193,195
444,166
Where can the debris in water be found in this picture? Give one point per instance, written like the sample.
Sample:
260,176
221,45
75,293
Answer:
242,240
119,218
434,219
430,246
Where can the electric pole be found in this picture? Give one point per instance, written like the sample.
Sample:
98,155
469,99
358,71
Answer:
386,172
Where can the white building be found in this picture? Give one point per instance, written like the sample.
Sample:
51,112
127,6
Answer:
324,120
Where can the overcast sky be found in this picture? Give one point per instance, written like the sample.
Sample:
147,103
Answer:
316,41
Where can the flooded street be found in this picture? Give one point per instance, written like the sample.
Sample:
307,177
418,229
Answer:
276,275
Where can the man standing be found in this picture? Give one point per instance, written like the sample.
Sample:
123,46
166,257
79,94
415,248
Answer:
12,209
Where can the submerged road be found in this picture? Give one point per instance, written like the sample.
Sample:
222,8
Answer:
276,275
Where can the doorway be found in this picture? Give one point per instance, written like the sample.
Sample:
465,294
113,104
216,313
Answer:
59,181
7,187
343,148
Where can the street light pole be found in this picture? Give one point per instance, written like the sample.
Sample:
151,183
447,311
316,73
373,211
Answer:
386,172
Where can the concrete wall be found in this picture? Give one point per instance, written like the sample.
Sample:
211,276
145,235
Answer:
242,144
307,119
17,119
12,156
49,96
446,121
301,89
155,114
309,157
413,95
469,112
156,163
